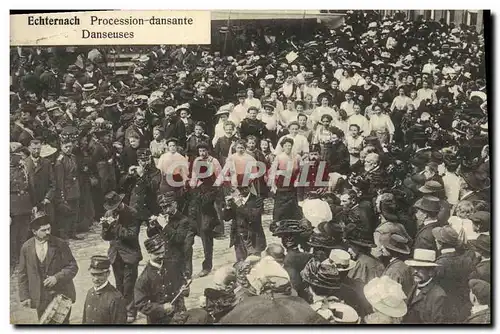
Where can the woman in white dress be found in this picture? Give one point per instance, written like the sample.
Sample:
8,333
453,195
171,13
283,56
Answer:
381,125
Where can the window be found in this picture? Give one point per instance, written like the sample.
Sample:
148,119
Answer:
451,16
472,19
427,14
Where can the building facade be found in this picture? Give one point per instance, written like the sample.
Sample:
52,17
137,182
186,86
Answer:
469,17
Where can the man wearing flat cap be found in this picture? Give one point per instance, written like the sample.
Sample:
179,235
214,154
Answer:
158,284
480,297
453,272
120,226
46,267
427,210
104,304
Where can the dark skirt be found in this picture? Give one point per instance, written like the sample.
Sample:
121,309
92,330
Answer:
286,205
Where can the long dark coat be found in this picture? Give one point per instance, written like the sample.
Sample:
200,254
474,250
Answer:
59,262
104,307
41,183
144,192
482,271
424,238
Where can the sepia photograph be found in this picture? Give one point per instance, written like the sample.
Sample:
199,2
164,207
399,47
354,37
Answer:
303,167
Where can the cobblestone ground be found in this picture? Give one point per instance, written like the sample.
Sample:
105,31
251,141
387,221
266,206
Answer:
94,245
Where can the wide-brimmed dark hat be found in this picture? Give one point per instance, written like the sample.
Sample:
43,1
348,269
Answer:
482,243
482,218
354,235
428,203
99,264
112,200
475,182
332,229
288,227
320,240
431,187
321,275
154,243
397,243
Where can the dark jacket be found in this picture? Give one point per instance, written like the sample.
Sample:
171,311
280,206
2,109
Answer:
20,202
66,176
59,262
401,273
294,262
482,271
424,238
337,158
100,166
253,127
123,236
104,307
193,141
177,129
180,237
144,191
221,149
42,184
367,268
154,288
481,317
452,276
246,219
428,307
145,135
351,292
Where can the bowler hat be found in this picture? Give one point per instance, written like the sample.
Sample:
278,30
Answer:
397,243
481,289
99,264
482,244
431,187
112,200
428,204
446,235
154,243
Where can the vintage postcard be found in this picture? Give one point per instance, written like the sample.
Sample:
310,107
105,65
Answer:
250,167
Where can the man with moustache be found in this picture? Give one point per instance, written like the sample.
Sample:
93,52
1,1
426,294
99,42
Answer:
104,304
374,174
46,267
426,214
427,300
141,128
310,185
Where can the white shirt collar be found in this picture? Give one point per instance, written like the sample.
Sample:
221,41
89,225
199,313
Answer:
40,243
447,250
484,260
427,222
420,286
478,308
154,264
101,287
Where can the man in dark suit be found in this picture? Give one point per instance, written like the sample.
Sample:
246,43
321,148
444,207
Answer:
104,304
173,126
121,227
452,273
246,212
141,128
41,178
427,300
179,231
427,210
143,183
46,267
67,191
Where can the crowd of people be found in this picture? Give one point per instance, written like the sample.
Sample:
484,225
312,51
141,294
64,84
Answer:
375,147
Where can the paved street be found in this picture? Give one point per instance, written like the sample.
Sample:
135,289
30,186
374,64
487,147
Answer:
94,245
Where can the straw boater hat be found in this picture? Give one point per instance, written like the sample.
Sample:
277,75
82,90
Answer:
89,87
422,258
47,150
341,259
386,296
343,313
